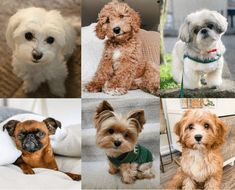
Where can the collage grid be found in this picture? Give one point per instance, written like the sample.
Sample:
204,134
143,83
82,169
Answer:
117,94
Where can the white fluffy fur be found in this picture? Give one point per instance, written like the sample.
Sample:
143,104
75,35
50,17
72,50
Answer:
52,66
196,46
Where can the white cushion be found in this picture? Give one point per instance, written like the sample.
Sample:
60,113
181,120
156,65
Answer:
92,50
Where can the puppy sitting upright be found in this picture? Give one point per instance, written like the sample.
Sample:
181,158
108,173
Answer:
122,66
118,135
201,135
41,41
198,55
32,138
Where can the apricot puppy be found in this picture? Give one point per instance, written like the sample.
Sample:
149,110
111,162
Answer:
201,135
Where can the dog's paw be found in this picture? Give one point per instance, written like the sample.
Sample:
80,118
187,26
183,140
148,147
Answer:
115,91
29,87
58,91
113,171
28,171
57,87
128,179
76,177
92,87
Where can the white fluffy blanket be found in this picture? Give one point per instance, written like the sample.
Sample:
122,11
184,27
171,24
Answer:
13,177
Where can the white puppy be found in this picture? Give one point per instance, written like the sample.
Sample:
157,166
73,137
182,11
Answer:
41,42
198,55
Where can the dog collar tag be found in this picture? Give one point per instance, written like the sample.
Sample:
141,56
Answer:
135,150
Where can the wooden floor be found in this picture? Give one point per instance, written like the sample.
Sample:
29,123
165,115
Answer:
228,181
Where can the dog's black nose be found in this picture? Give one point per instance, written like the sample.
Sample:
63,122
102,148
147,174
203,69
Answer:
198,138
204,31
37,55
117,143
117,30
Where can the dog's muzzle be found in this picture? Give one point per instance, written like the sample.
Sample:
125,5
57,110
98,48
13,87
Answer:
204,32
117,30
31,144
198,138
36,55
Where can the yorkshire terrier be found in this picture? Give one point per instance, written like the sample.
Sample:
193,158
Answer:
118,135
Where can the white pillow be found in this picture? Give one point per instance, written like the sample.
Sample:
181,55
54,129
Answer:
70,145
8,150
92,50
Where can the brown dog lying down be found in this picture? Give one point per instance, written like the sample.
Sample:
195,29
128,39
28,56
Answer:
32,138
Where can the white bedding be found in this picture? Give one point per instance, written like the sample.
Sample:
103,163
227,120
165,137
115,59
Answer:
14,178
66,142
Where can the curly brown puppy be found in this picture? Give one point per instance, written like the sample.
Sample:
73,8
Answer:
201,135
122,66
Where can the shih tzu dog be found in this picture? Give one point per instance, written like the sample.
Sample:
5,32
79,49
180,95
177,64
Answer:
41,42
118,135
198,55
201,135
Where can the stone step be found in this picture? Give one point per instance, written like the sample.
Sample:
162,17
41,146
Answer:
226,90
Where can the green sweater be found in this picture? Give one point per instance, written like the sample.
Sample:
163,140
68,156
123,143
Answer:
139,155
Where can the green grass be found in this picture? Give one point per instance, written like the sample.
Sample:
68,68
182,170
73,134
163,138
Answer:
167,81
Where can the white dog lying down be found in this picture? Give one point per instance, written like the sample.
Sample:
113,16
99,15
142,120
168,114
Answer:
41,42
198,55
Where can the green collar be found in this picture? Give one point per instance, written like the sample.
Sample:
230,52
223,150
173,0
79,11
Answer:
139,155
203,61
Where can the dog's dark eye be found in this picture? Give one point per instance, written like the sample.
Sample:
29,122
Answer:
50,40
40,134
107,20
126,135
20,136
190,126
196,30
28,36
111,131
210,26
121,16
206,126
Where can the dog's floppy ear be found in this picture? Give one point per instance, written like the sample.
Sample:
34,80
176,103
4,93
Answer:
221,22
68,39
184,33
178,125
52,125
10,127
13,24
177,128
137,115
135,23
98,29
103,112
222,129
